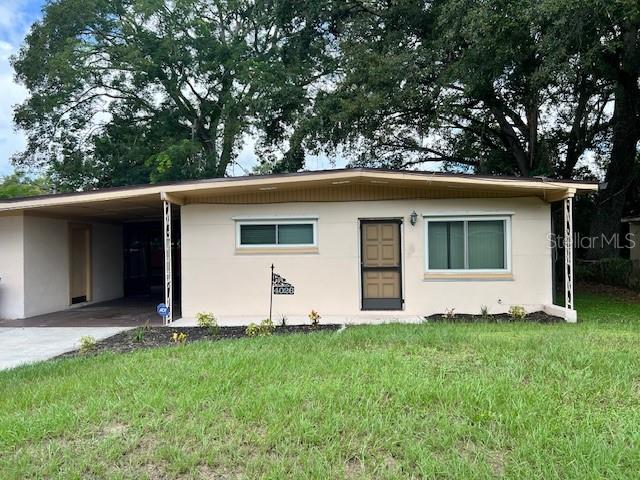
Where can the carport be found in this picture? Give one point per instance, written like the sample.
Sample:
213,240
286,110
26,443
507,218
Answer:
122,312
92,259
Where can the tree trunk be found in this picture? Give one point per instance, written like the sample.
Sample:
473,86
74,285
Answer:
575,142
228,142
605,224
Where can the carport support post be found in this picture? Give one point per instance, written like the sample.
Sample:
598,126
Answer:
168,273
568,255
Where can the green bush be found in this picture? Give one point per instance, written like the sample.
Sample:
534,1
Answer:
608,271
314,317
87,344
265,329
137,336
517,312
179,338
208,320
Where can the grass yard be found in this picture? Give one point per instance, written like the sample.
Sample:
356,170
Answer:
393,401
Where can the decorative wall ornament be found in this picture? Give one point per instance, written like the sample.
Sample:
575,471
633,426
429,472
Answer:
281,286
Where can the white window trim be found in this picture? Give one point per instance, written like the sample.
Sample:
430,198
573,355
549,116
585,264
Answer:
278,221
465,219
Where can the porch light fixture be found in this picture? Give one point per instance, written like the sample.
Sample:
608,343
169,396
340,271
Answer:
413,218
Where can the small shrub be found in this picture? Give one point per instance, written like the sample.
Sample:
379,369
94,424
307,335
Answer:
265,329
517,312
449,313
252,330
315,318
208,321
87,344
137,336
484,311
179,337
283,321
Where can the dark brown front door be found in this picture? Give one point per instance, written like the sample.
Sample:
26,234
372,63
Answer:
381,265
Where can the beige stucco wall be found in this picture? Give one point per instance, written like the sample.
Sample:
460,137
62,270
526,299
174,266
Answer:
46,260
11,267
46,264
232,285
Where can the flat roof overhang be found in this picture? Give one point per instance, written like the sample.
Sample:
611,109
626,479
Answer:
144,202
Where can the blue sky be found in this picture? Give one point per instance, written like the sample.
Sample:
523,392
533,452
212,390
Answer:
16,16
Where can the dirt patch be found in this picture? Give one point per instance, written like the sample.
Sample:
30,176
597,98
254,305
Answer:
533,317
207,472
353,468
495,459
113,430
153,337
621,293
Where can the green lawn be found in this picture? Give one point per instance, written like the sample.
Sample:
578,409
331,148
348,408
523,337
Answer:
393,401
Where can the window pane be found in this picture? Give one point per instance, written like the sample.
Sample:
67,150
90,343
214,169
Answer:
486,244
295,234
437,245
446,245
257,234
456,245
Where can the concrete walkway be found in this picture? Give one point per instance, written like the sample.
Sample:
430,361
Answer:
19,346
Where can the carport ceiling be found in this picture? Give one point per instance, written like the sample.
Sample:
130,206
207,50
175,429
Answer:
119,210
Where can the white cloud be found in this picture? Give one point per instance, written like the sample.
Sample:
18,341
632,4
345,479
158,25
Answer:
15,19
11,94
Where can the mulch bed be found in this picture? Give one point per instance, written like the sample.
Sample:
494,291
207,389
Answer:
534,317
161,337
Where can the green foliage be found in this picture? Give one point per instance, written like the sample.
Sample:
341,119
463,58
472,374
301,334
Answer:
19,185
609,271
517,312
87,344
179,338
264,329
137,336
128,92
314,317
208,321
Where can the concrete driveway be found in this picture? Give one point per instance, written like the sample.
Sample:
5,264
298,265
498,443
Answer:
20,345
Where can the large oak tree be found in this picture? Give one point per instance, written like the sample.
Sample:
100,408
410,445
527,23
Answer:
128,91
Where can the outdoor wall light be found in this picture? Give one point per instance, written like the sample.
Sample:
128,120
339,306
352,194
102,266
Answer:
413,218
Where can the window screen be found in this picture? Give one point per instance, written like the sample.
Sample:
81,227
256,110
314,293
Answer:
277,234
466,244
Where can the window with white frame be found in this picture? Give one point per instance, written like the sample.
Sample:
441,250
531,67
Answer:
473,243
276,233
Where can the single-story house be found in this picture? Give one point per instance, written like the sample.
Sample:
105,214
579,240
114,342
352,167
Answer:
356,245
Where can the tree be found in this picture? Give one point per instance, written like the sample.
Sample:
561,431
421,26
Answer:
127,91
609,33
19,185
476,85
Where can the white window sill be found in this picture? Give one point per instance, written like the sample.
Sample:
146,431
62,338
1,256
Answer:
470,276
276,250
